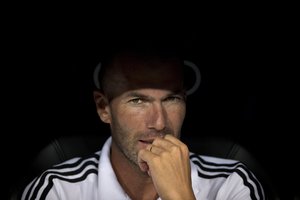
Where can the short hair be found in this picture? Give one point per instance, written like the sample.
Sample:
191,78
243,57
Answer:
158,48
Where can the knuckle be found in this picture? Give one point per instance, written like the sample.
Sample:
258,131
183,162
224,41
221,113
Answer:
164,154
184,148
175,149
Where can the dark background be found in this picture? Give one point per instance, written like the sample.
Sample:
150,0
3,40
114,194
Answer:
248,91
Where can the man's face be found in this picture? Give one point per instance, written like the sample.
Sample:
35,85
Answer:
148,102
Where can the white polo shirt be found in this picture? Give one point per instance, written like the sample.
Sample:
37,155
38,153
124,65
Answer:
93,178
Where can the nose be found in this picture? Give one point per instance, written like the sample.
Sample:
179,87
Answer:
157,117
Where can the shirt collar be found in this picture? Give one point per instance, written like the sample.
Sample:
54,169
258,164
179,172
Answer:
109,187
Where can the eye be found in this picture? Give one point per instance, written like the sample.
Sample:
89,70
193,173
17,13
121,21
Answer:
174,98
136,101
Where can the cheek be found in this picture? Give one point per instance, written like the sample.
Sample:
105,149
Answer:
131,118
177,116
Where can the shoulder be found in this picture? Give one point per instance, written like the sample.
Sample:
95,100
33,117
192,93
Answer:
214,167
75,170
227,174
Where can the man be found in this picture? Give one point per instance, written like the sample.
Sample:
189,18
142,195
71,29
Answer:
143,99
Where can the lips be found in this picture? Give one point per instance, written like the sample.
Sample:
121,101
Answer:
149,141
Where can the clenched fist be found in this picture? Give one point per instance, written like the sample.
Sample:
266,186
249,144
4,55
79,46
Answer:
167,162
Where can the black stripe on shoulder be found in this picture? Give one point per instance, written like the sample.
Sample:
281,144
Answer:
212,176
248,184
50,184
195,156
225,170
52,170
222,172
55,173
214,167
70,165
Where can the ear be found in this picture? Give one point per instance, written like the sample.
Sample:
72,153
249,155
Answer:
102,106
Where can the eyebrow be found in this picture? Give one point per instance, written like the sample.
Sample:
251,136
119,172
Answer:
139,95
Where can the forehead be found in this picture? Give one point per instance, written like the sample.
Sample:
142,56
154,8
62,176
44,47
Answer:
148,71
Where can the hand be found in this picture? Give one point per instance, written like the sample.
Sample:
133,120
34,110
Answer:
168,164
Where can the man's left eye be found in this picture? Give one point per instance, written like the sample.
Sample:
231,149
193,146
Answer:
136,101
173,99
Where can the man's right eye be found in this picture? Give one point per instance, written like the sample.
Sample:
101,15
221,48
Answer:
136,101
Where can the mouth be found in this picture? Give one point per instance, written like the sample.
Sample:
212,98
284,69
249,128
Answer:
149,141
144,142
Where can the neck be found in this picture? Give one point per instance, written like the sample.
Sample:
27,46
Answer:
137,184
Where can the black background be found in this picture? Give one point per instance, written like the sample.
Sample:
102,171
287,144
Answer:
248,89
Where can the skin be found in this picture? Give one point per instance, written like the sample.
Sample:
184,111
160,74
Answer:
144,103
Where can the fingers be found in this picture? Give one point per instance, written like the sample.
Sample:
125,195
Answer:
160,146
167,162
168,143
154,149
144,156
173,139
162,143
